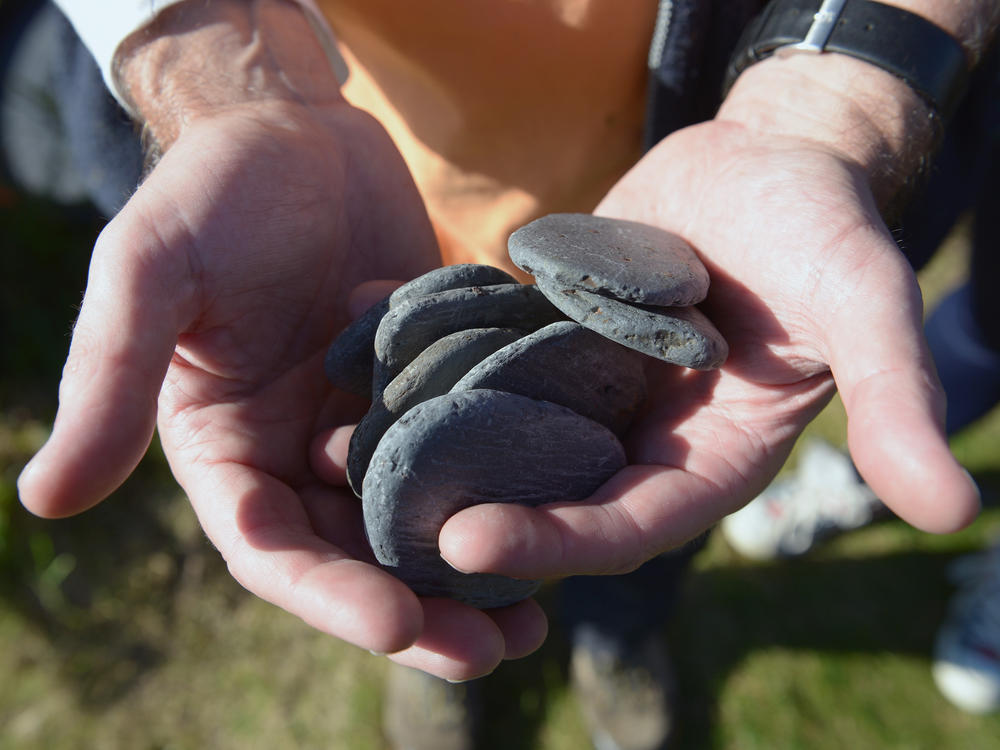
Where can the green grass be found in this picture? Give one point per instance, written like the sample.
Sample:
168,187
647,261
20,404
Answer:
123,630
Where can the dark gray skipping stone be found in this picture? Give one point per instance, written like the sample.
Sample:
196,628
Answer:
442,279
569,365
680,335
461,449
349,361
409,328
613,257
431,373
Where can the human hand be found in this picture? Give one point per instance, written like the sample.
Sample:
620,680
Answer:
211,300
812,294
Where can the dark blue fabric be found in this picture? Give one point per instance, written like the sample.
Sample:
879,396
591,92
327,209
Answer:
64,136
964,334
969,369
963,173
103,140
685,82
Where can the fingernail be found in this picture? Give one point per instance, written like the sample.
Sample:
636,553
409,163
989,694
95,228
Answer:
376,653
972,479
25,476
470,679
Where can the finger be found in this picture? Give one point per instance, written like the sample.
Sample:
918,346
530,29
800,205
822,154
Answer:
458,643
640,512
895,406
261,529
707,444
524,627
121,346
337,517
367,293
328,455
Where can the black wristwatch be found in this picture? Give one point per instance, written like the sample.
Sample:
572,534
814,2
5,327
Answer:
930,60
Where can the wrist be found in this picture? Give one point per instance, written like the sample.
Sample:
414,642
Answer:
200,58
881,104
864,114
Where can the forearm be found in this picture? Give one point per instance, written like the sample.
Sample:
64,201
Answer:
203,57
869,115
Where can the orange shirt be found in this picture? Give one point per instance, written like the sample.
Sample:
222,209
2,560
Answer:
504,110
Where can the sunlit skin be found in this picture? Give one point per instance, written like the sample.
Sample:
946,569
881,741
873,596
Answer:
213,295
710,441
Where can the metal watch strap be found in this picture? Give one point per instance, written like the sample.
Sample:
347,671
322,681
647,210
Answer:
930,60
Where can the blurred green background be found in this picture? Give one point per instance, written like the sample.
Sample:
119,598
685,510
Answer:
122,629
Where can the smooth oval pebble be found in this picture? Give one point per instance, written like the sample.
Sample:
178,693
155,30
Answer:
408,329
458,276
461,449
349,361
568,365
680,335
431,373
611,257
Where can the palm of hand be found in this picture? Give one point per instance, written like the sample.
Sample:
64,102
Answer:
811,293
225,278
267,251
794,245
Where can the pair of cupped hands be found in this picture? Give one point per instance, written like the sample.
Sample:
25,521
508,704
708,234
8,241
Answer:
214,294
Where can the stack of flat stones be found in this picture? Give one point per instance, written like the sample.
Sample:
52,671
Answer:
486,390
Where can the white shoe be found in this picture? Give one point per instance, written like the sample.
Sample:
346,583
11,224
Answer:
967,652
823,496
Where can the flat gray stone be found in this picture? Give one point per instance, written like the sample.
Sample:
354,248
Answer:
350,360
612,257
680,335
442,279
409,328
462,449
569,365
431,373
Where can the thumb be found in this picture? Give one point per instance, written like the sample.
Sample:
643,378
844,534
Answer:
121,347
895,405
